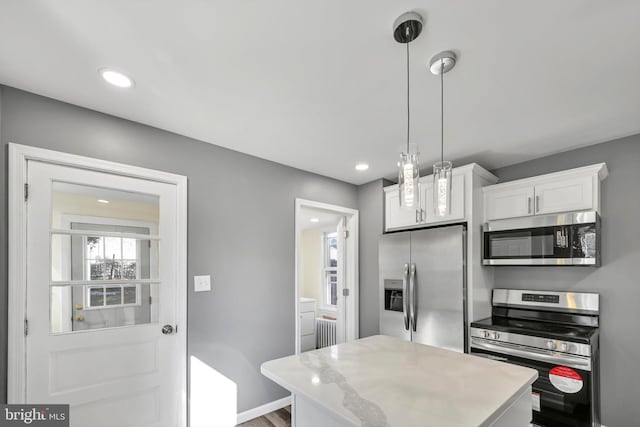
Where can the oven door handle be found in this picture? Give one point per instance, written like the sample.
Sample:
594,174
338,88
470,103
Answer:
577,362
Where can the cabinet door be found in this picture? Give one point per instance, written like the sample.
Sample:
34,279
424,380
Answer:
307,323
395,216
564,195
509,202
457,201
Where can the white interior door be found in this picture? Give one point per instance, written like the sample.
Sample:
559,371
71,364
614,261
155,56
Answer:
341,318
102,298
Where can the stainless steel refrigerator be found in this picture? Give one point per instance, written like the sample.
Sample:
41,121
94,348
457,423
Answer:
423,286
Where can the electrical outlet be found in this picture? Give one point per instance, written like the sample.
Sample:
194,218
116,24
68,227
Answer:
201,283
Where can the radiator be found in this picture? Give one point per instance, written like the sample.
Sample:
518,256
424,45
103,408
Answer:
325,332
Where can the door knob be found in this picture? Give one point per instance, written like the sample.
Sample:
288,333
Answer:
167,329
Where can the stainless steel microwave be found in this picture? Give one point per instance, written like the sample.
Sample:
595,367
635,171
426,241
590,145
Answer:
559,239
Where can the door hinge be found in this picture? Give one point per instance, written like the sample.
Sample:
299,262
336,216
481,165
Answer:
346,234
345,292
26,191
26,327
150,299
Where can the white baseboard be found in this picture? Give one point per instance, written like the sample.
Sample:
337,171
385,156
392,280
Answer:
264,409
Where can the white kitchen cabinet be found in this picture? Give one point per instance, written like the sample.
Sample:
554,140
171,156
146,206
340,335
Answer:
562,195
466,182
307,309
395,216
457,201
566,191
509,202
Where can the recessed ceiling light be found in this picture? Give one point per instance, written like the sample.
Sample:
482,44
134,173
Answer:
103,201
362,167
314,220
116,78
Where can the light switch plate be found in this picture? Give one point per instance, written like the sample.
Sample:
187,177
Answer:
201,283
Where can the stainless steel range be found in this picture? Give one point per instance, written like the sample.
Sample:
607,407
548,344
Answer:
557,334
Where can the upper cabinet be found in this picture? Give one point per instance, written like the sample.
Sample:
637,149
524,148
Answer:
509,202
566,191
466,182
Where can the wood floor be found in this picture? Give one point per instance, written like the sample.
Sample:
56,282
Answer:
279,418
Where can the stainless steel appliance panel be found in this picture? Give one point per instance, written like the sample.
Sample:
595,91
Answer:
437,255
574,302
393,257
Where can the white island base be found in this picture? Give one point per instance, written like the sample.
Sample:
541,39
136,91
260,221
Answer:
382,381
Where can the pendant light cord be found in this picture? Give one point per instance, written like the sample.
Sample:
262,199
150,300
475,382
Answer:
441,111
408,101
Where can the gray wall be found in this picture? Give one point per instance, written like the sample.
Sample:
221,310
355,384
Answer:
242,235
616,280
370,204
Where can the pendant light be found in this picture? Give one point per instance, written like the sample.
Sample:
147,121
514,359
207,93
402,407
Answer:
439,65
405,30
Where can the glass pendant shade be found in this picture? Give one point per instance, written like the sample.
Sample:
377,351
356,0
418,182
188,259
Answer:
442,188
408,176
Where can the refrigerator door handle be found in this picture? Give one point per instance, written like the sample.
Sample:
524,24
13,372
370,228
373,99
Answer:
412,291
405,296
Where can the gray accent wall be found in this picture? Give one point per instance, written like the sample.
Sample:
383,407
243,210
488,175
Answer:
371,206
241,230
617,280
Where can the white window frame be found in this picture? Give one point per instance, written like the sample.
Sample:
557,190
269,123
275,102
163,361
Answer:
326,271
87,296
67,219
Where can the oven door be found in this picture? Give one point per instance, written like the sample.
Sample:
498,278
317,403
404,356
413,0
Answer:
528,246
561,395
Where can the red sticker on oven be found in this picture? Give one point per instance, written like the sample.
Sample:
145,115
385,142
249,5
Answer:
565,379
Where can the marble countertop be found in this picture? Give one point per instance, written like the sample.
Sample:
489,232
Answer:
384,381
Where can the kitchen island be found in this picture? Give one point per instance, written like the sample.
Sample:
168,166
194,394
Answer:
382,381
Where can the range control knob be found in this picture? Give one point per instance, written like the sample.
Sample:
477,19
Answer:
551,345
486,334
564,347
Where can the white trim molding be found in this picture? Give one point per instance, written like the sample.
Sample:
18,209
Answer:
263,409
352,277
19,155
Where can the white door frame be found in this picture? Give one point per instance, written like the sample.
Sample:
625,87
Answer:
352,278
18,157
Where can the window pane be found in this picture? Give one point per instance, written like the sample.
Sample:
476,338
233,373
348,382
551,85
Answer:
113,295
334,290
128,269
129,249
129,296
112,270
97,270
332,250
96,297
112,248
95,247
330,288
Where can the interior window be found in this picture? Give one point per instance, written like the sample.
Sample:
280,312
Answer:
330,269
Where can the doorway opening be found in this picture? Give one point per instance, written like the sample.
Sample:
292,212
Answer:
326,295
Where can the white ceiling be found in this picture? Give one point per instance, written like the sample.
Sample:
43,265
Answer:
327,220
321,85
